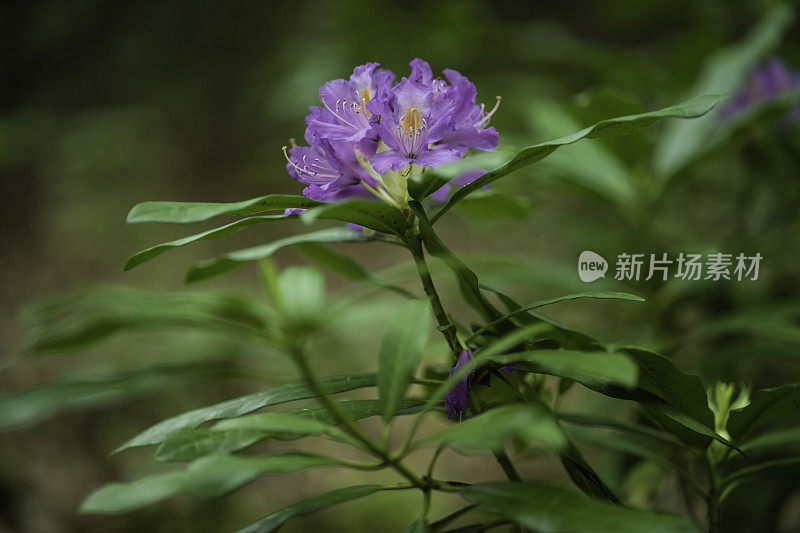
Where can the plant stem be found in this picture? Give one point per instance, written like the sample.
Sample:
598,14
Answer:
712,499
349,426
447,328
502,457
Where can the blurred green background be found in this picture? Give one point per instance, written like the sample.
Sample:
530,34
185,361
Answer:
109,104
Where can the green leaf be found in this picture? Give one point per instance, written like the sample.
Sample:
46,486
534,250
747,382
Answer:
83,318
29,406
777,469
145,255
368,213
591,166
420,186
445,520
276,520
418,526
566,337
550,509
347,266
593,420
246,404
765,406
400,353
492,429
208,477
584,476
676,400
781,438
576,296
238,433
588,368
623,445
467,280
613,127
185,212
230,261
725,72
496,205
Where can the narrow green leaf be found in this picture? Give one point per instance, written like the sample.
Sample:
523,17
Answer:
576,296
584,476
550,509
230,261
724,72
496,205
347,266
418,526
782,438
444,521
149,253
371,214
591,166
208,477
765,406
185,212
613,127
400,353
594,420
777,469
584,367
673,398
239,433
79,319
493,429
276,520
467,280
69,393
246,404
625,446
567,337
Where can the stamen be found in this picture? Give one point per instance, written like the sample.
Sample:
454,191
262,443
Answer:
322,97
485,120
306,169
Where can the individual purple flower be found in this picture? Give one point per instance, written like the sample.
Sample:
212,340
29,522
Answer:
411,121
765,83
329,168
455,402
470,120
348,105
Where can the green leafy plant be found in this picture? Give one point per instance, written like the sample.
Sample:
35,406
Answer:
502,387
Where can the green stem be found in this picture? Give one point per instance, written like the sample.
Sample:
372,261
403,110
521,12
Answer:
502,457
712,499
349,426
447,328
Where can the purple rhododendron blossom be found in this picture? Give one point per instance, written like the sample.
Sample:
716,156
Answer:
455,401
371,133
765,83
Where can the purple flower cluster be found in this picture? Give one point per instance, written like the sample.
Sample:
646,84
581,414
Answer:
371,133
766,83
